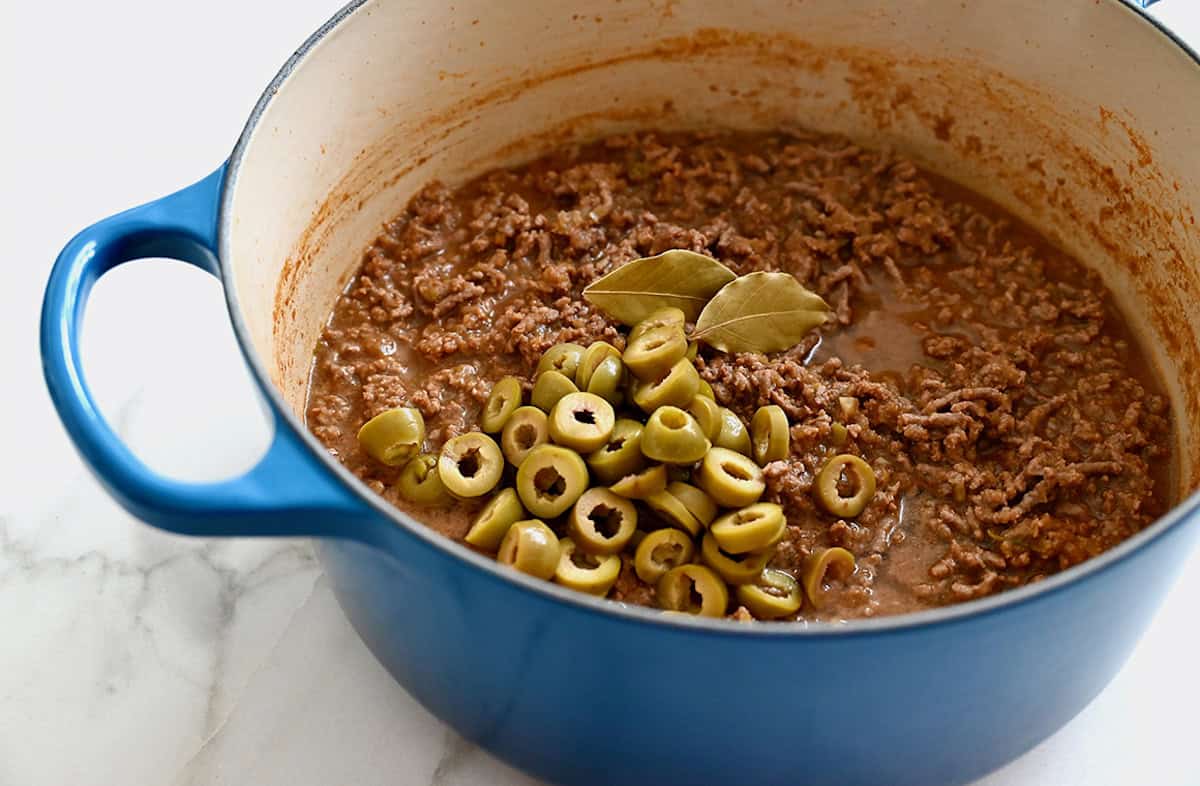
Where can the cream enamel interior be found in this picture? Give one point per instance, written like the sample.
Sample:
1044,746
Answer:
1078,116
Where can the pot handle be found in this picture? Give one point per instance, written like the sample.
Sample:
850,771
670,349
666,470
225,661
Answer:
287,493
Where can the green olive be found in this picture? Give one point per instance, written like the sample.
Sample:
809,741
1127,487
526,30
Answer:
608,380
504,400
776,594
549,387
582,422
621,455
550,479
563,358
530,547
602,522
527,428
493,521
695,500
838,435
693,589
660,551
651,353
734,568
596,353
731,479
753,528
839,472
672,436
672,511
642,484
393,437
470,464
705,390
707,414
820,566
420,483
733,434
693,350
676,389
769,434
666,317
584,572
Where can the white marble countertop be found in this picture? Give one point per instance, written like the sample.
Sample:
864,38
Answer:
129,656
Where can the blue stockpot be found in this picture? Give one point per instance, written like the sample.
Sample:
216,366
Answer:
581,691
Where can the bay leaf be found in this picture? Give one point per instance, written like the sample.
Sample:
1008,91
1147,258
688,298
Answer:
679,278
760,312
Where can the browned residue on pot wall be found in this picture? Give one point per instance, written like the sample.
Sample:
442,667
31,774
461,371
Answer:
1074,193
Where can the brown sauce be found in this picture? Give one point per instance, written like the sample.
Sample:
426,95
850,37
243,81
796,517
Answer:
1014,426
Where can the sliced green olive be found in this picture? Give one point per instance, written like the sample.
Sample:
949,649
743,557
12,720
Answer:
549,387
393,437
705,390
753,528
642,484
672,436
695,500
608,380
651,353
731,479
845,473
769,434
527,428
668,316
596,353
776,594
420,483
582,422
621,455
660,551
593,574
676,389
692,589
734,568
563,358
470,464
672,510
602,522
733,434
838,435
707,413
692,350
550,479
820,566
493,521
530,547
504,400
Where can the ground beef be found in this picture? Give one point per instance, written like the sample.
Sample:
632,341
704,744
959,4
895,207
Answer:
1012,425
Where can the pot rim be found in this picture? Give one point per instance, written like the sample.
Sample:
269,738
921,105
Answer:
956,613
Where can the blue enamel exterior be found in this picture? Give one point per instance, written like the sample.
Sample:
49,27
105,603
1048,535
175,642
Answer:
578,691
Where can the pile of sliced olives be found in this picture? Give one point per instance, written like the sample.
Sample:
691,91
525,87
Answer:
624,460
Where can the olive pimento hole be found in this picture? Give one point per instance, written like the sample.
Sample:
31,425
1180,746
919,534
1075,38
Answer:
525,436
735,471
468,463
585,416
848,483
615,445
549,483
606,520
673,420
667,553
695,596
584,560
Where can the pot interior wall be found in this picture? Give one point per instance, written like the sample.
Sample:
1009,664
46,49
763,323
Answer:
1077,116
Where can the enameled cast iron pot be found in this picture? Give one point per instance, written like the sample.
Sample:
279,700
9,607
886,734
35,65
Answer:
1080,116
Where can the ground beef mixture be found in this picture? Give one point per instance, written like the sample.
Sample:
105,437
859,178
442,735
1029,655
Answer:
1004,407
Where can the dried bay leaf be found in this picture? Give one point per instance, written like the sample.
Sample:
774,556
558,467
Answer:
760,312
683,279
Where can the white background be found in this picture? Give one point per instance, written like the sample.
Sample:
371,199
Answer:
128,656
